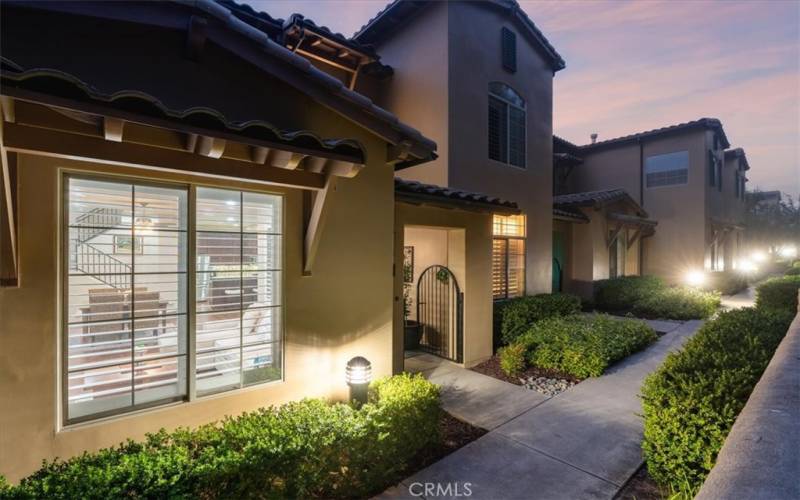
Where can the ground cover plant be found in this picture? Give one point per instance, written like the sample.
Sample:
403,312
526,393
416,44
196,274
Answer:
581,346
650,297
309,448
691,402
778,293
517,315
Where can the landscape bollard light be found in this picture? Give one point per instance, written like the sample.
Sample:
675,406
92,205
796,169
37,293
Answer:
358,376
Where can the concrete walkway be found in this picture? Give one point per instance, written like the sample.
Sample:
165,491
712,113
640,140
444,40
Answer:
581,444
745,298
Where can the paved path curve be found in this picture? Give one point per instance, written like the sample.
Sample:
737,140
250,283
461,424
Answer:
581,444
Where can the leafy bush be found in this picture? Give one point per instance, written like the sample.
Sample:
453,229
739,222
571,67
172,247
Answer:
692,400
303,449
726,282
650,297
778,293
617,294
793,271
512,358
677,303
520,313
584,346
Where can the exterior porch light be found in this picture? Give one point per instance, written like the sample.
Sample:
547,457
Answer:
358,376
746,265
695,278
788,252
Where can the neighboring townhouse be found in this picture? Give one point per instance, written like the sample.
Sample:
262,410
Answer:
763,201
477,77
196,222
683,179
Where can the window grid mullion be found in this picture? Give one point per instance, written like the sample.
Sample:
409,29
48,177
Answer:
241,289
191,292
133,294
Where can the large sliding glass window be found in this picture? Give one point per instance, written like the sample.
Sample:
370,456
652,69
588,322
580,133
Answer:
127,304
508,257
238,291
126,300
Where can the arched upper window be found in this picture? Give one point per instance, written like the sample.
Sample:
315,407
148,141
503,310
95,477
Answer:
506,125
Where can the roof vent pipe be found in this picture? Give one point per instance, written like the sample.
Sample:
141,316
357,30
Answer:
594,137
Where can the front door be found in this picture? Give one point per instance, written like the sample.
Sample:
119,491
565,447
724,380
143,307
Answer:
559,258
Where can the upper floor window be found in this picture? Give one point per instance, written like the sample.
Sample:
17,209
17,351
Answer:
667,169
506,125
508,43
135,334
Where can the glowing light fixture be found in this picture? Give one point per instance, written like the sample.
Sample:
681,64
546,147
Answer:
746,265
695,278
358,375
758,256
788,252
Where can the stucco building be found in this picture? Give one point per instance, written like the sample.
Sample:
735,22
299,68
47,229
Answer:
683,178
477,77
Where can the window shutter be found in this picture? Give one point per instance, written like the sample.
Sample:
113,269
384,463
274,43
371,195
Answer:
498,129
516,143
509,49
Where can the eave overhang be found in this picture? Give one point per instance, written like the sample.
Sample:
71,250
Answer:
416,193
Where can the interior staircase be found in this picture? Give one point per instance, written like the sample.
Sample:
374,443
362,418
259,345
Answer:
89,259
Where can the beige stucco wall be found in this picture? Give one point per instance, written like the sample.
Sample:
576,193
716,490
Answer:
343,309
680,240
470,261
442,70
417,92
475,62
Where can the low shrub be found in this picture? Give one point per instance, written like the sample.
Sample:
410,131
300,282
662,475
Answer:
584,346
619,294
303,449
650,297
793,271
677,303
520,313
778,293
692,400
726,282
512,359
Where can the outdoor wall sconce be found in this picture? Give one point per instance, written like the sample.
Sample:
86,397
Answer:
358,375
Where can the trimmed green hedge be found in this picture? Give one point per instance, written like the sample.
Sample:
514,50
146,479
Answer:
303,449
517,315
692,400
584,346
726,282
793,271
677,303
778,293
618,294
650,297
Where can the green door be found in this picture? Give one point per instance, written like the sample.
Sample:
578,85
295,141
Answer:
559,258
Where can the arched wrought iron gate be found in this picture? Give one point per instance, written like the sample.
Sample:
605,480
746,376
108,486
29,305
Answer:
440,312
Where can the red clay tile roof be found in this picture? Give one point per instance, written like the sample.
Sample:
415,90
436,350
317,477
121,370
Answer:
703,123
397,12
569,213
738,153
596,199
413,190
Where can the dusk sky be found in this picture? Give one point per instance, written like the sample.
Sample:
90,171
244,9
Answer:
639,65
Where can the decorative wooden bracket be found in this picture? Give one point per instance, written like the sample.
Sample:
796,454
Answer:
316,222
614,235
635,237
